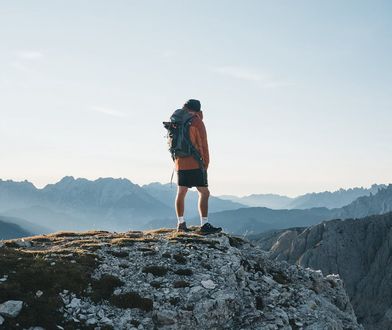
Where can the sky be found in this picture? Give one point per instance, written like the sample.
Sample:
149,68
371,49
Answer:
296,95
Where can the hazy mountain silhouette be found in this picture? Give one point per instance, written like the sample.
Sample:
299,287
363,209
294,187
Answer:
272,201
335,199
107,203
9,230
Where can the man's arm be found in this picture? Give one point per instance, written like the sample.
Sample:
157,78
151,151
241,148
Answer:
198,136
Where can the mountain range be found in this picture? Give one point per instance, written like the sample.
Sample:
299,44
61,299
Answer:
335,199
119,204
105,203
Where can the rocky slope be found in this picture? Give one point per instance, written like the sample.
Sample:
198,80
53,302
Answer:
359,250
161,280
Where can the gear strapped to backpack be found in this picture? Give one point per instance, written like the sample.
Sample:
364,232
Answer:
178,138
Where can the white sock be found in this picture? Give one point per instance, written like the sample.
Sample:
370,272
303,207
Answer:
203,220
181,219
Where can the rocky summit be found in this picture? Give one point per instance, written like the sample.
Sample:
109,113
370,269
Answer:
161,280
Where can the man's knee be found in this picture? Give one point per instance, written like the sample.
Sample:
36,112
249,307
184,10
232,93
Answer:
181,191
204,191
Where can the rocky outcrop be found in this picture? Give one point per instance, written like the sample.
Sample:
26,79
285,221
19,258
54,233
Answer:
359,250
164,280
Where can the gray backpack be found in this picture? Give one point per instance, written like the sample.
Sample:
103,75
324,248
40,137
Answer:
178,138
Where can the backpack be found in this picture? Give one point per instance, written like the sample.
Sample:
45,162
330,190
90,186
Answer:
178,138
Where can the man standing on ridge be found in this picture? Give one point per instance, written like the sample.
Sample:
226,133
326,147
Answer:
191,173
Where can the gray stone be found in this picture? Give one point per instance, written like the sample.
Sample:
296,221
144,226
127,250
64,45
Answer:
209,284
11,308
164,317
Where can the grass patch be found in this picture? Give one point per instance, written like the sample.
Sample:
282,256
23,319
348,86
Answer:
155,284
155,270
159,231
29,272
123,241
174,300
132,300
195,240
119,254
184,271
236,241
281,278
103,288
180,284
180,258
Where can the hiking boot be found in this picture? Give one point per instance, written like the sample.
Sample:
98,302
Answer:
207,228
182,226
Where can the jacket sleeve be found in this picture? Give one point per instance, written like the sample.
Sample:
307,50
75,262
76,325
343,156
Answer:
198,136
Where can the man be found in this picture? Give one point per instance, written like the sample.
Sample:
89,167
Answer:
190,173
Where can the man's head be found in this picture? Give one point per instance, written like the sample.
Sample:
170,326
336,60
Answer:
192,105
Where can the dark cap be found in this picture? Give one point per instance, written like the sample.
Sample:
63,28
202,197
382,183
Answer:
193,105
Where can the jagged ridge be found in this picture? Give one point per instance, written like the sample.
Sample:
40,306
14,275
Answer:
163,279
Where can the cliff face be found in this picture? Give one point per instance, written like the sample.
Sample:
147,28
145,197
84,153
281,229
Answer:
359,250
162,280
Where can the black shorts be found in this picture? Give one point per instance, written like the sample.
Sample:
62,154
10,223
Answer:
192,178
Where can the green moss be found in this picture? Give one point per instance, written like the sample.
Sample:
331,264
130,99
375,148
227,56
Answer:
132,300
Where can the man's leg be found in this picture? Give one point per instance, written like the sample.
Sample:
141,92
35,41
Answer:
180,200
204,194
206,227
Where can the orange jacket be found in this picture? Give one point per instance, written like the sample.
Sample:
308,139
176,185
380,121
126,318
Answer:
198,136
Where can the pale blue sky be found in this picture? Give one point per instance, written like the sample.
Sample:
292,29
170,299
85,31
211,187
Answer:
297,95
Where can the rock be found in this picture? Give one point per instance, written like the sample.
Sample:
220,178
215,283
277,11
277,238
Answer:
164,318
209,284
91,321
106,321
23,243
11,308
75,302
